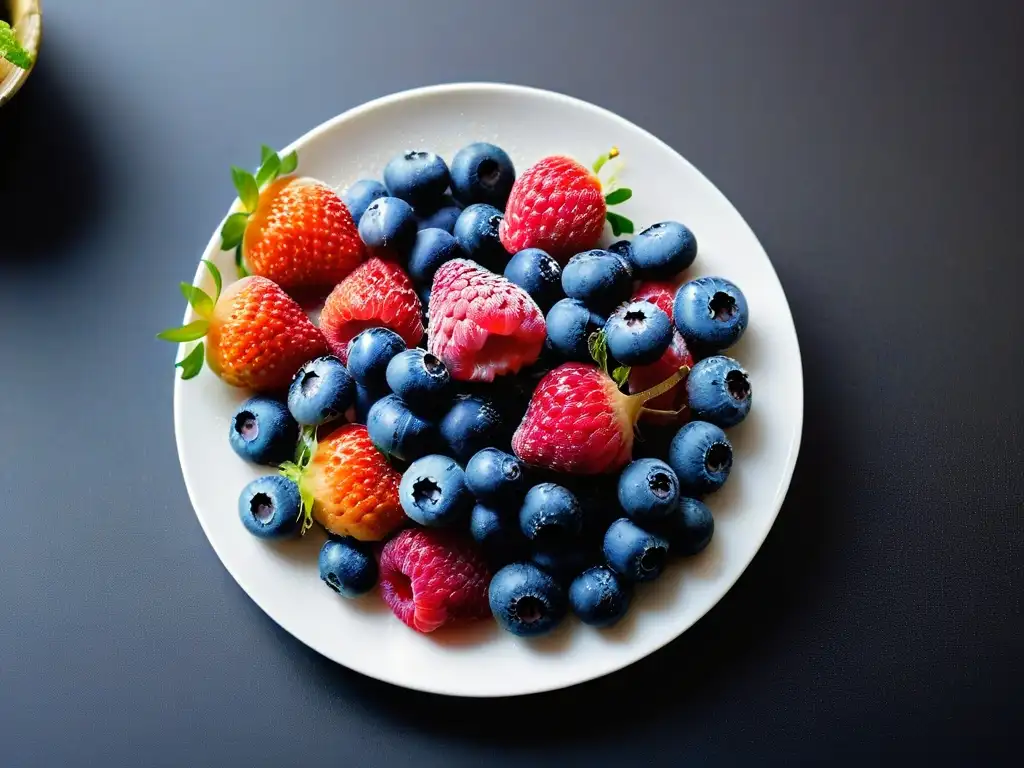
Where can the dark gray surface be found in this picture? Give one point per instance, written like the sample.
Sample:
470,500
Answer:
875,149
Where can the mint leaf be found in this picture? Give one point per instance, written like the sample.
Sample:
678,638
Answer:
11,49
233,230
215,274
248,189
198,299
269,170
618,196
192,363
597,343
621,375
191,332
289,163
619,224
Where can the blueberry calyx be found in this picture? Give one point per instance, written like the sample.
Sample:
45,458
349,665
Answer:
717,457
722,306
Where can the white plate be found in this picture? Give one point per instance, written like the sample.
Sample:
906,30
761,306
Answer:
484,661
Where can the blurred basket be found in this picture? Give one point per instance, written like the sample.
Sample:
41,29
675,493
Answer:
26,18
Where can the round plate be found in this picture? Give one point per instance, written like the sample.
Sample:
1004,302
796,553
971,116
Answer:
482,660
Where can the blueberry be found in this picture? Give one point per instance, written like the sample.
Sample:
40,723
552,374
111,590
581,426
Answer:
689,528
497,532
623,250
600,279
471,424
347,566
570,325
565,564
550,516
442,218
358,197
538,274
369,354
662,251
420,178
269,507
397,431
648,490
263,431
477,233
433,247
632,552
701,457
389,224
421,380
433,492
525,600
719,391
711,312
496,477
599,597
321,391
364,400
482,173
638,333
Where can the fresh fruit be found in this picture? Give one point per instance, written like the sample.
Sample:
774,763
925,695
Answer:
269,507
421,380
388,227
321,391
711,313
719,391
476,229
550,516
569,327
669,408
661,293
638,333
599,597
563,563
663,250
689,528
557,205
443,218
257,336
482,325
497,532
525,600
294,231
633,553
434,492
701,457
482,173
347,566
420,178
359,196
579,422
599,279
431,578
496,477
538,274
471,424
399,432
369,355
648,490
263,431
433,247
377,294
365,398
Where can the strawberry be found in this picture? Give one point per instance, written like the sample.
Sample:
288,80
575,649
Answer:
670,407
661,293
377,293
482,325
557,205
295,231
257,336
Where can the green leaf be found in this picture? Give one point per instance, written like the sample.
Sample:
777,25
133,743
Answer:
621,375
11,49
198,299
191,332
289,163
265,152
192,363
240,267
233,230
294,471
218,282
620,224
597,343
268,170
248,189
618,196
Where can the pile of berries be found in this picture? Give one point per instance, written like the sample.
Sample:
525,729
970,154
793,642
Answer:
492,415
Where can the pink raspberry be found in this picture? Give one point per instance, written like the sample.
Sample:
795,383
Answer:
661,293
430,578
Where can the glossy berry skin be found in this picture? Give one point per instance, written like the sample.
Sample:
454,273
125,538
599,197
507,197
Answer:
321,391
378,293
550,516
471,424
497,533
263,432
399,432
496,477
434,492
599,279
701,456
482,173
369,354
477,232
642,377
269,507
719,391
638,333
633,553
599,597
364,400
389,225
433,247
420,178
661,293
347,566
525,600
431,578
663,250
711,313
648,490
690,527
538,274
443,218
359,196
569,327
421,380
563,563
556,205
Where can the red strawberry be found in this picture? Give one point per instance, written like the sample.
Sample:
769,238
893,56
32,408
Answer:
257,336
557,205
579,422
661,293
431,578
377,293
295,231
671,404
481,324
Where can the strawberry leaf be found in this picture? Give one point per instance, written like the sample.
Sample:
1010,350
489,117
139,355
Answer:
621,375
618,196
240,267
268,170
191,332
248,189
620,224
265,152
11,49
289,163
598,346
233,230
192,363
198,299
218,282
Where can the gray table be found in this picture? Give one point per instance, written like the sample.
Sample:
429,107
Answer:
875,149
